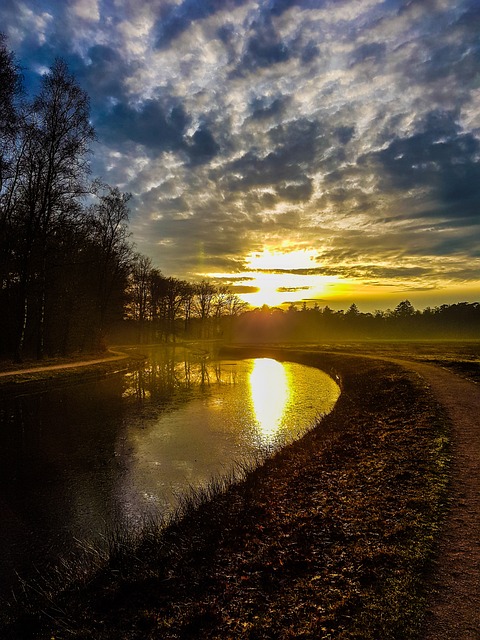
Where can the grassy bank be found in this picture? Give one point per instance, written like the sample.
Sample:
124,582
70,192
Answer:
52,373
330,538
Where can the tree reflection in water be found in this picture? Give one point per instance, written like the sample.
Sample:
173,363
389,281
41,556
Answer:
79,461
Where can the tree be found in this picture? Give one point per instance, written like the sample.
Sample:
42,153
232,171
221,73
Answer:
52,170
204,298
352,311
177,292
404,309
235,305
10,115
140,292
113,254
11,89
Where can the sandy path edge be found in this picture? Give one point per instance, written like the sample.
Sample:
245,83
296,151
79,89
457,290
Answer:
453,612
117,355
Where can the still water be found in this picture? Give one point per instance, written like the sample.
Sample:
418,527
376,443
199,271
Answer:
78,461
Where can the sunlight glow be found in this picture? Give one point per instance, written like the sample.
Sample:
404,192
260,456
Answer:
270,391
275,289
285,260
281,277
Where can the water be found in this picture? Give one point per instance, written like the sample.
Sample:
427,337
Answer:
75,462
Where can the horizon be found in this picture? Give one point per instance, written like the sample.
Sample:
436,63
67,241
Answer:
340,305
296,150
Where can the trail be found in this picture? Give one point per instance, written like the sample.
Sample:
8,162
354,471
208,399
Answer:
454,610
65,365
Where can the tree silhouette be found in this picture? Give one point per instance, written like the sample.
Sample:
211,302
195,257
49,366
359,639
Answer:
52,169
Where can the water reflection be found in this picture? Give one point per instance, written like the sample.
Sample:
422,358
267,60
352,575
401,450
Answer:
217,413
270,392
78,461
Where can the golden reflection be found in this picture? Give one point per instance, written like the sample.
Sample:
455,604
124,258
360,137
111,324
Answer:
270,391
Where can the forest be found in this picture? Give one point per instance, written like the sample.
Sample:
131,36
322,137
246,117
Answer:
71,280
68,270
460,321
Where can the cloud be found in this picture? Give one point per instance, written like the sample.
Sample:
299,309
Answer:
157,128
203,146
263,47
103,74
294,146
371,52
349,127
150,125
175,19
439,158
239,289
86,9
296,191
264,107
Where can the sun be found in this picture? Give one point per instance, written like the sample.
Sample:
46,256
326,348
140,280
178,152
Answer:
283,277
280,277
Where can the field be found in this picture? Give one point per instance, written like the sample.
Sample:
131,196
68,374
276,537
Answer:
333,537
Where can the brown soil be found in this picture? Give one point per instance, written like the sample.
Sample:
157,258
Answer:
454,609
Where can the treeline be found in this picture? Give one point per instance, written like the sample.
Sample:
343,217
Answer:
68,271
160,308
455,321
63,263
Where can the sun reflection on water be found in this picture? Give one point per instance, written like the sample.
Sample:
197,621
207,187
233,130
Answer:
270,391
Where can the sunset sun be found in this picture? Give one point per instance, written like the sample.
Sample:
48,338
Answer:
279,277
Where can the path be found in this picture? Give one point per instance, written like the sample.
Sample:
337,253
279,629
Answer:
454,610
66,365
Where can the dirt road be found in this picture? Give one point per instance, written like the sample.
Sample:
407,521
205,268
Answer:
66,365
454,610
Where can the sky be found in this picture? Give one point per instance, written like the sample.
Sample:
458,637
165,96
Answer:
324,151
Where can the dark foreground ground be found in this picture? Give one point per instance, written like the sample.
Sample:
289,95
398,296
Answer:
332,538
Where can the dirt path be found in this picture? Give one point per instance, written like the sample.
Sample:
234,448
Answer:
454,610
66,365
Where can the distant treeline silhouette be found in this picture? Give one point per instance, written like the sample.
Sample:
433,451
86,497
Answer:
455,321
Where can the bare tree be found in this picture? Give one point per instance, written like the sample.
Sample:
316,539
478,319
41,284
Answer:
157,296
52,173
176,294
10,115
204,298
11,89
235,305
140,292
109,233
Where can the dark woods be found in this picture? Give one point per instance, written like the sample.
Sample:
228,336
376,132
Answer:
68,272
70,280
63,264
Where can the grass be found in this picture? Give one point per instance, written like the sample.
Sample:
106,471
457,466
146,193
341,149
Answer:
37,381
332,537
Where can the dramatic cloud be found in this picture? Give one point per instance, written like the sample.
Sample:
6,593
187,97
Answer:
345,129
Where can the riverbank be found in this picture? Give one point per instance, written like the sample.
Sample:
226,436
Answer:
35,376
331,538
